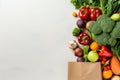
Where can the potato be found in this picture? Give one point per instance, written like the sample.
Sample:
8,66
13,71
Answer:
115,78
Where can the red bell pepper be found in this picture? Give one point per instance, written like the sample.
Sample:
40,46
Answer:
105,52
84,38
94,13
84,13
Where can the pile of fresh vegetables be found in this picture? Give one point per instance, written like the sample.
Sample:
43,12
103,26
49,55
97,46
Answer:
98,35
108,7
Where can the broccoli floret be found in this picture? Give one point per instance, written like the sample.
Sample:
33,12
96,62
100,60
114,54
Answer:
102,39
116,31
105,30
91,26
95,28
107,25
101,18
112,41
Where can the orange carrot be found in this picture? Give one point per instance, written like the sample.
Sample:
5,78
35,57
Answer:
115,65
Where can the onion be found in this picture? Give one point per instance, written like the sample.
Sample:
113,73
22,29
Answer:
80,23
88,23
80,59
78,52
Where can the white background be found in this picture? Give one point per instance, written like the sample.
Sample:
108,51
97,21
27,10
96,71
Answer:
34,37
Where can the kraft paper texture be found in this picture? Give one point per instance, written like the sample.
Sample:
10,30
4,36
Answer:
84,71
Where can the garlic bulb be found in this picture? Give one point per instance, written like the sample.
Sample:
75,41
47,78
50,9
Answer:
73,44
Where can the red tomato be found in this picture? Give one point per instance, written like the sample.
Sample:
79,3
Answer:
105,69
94,13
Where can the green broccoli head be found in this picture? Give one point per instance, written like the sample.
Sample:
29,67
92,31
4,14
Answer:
102,39
101,18
116,31
107,25
95,28
112,41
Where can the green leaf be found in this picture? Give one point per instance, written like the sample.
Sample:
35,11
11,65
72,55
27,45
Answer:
85,52
106,63
116,50
103,4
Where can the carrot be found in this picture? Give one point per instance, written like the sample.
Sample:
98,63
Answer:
115,65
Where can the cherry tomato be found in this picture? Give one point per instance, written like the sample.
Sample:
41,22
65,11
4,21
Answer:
104,59
105,69
108,67
102,62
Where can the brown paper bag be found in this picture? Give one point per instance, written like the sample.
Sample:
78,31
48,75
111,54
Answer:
84,71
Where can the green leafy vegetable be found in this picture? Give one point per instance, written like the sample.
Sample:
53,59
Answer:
105,30
103,6
112,41
95,28
107,25
108,7
77,3
116,50
85,52
102,39
102,17
116,7
76,31
115,33
81,3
